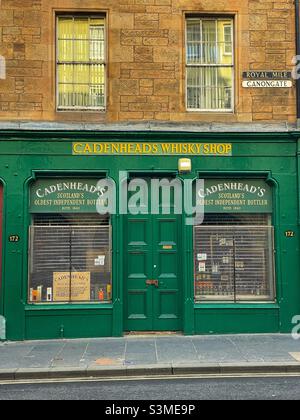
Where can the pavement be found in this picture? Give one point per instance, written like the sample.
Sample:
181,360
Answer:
154,355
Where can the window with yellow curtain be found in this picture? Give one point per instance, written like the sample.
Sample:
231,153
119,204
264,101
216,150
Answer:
81,63
209,64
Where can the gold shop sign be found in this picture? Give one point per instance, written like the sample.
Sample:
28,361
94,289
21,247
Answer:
152,149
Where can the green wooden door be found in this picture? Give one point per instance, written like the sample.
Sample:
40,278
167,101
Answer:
138,268
167,298
153,280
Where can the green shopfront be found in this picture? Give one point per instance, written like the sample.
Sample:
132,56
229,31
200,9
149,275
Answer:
87,254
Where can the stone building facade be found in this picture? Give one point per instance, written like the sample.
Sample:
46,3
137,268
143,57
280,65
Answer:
145,58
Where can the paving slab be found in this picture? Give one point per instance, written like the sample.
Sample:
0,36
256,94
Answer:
175,349
140,352
214,349
263,348
72,354
41,355
108,349
13,356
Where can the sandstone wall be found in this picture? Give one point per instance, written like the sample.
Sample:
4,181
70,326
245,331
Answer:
146,69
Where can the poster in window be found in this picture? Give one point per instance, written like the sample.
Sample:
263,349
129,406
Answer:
80,285
97,261
202,267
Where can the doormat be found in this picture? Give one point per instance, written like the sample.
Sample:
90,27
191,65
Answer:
160,333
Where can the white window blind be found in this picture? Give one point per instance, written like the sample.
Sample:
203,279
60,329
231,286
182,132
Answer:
209,64
81,62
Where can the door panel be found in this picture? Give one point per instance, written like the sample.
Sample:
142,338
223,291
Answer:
167,307
137,302
167,233
137,234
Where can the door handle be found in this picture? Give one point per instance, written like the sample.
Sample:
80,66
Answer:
152,283
149,282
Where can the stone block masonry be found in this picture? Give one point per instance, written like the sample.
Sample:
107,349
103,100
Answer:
146,59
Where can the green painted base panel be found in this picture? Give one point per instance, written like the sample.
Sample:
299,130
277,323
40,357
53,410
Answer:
211,321
41,327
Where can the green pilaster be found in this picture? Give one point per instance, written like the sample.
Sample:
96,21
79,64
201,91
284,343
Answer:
188,265
117,226
3,251
298,172
14,255
297,256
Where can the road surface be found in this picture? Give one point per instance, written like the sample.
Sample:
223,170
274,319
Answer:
271,388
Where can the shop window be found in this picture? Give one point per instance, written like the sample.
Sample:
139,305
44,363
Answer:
233,256
209,64
81,62
70,258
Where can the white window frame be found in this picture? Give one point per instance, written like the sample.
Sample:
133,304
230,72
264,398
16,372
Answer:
75,108
226,43
232,66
